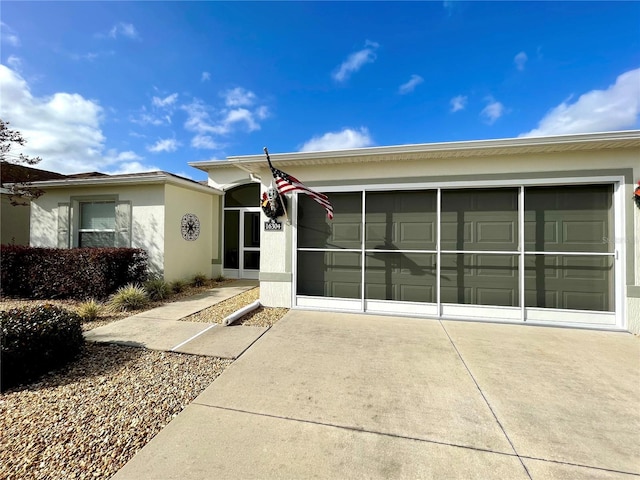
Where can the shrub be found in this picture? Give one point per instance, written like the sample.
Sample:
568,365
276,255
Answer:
129,297
36,340
157,289
90,310
79,273
178,286
219,279
199,280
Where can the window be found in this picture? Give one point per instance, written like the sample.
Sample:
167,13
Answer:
97,224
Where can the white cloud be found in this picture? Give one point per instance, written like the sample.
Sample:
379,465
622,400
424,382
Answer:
206,121
239,97
345,139
14,62
164,145
410,86
63,129
356,61
145,118
123,30
8,35
205,77
458,103
493,111
520,60
617,107
205,142
165,102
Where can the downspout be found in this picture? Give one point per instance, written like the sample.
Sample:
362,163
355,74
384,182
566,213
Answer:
240,313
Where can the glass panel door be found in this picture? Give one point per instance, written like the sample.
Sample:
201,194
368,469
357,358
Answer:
241,243
250,244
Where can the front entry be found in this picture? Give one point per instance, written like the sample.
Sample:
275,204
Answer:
242,232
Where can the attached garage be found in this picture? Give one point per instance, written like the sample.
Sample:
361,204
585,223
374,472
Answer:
527,230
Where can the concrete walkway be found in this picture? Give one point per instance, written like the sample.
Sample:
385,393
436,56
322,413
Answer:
326,395
161,329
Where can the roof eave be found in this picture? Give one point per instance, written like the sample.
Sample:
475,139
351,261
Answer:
159,178
522,145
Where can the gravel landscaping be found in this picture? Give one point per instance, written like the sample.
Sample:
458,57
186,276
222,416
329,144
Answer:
261,317
89,418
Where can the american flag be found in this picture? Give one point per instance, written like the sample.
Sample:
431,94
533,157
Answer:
286,183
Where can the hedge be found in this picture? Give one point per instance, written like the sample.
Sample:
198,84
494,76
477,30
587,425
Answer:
36,340
78,273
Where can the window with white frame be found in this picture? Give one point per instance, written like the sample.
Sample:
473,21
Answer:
97,226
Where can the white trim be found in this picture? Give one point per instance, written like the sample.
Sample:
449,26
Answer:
521,244
560,316
401,308
464,149
467,184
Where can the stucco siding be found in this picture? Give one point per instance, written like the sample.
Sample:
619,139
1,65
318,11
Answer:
14,226
147,212
547,167
185,258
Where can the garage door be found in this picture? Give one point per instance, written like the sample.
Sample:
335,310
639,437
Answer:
534,253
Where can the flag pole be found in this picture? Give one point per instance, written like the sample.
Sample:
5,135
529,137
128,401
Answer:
282,200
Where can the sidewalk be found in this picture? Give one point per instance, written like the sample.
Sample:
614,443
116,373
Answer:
161,329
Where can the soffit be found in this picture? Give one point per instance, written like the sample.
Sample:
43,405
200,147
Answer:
452,150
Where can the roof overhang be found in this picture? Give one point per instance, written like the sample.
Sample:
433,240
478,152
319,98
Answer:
153,178
425,151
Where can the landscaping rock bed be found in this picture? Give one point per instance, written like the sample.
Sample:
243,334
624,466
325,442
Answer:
88,419
261,317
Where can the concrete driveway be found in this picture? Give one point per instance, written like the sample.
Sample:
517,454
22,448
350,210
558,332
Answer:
326,395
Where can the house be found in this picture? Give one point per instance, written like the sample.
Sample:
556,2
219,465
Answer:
540,231
173,218
14,218
535,230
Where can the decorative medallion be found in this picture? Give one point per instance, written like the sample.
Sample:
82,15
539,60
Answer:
190,226
271,204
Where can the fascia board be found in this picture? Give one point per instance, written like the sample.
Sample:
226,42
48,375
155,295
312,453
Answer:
520,145
125,181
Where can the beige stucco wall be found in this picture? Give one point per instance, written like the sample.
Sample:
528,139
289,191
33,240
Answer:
147,212
542,165
185,258
14,223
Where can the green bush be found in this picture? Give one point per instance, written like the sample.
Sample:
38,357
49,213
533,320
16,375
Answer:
36,340
129,297
199,280
90,310
178,286
157,289
79,273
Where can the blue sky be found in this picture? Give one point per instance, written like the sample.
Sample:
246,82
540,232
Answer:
122,87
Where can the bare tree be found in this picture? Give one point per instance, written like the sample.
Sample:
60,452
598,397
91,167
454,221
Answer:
16,179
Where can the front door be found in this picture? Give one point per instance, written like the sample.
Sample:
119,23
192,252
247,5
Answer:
242,243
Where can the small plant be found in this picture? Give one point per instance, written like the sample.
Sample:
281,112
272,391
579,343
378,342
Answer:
219,279
199,280
35,340
90,310
178,286
157,289
129,297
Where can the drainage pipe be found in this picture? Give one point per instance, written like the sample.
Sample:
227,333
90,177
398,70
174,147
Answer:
239,313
